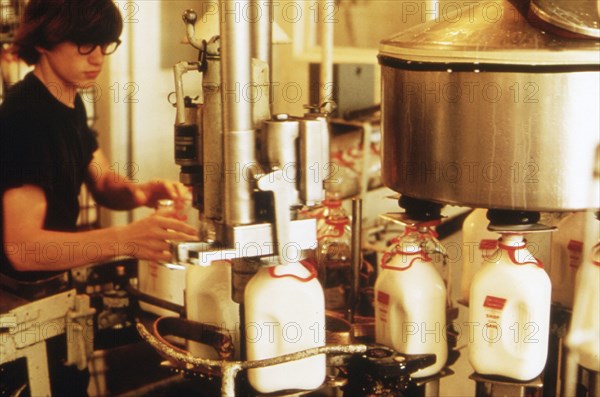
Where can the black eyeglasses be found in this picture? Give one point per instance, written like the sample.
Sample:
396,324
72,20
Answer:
107,48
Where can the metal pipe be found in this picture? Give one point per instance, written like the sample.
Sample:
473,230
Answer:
212,128
262,30
179,70
432,388
190,17
366,138
356,256
238,132
231,368
261,25
569,375
326,52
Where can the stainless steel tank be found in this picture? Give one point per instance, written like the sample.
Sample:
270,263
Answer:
480,108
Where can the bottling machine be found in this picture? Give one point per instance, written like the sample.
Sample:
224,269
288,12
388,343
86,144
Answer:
251,172
499,111
492,105
489,110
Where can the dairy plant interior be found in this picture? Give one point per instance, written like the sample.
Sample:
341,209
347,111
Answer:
393,198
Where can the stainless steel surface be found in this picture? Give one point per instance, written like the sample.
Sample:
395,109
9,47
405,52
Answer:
471,118
212,131
577,16
250,241
259,93
492,387
284,195
278,144
179,70
314,157
238,131
488,32
324,170
261,17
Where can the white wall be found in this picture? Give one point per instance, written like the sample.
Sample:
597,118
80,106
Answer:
136,119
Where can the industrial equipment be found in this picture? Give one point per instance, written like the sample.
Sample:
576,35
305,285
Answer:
498,112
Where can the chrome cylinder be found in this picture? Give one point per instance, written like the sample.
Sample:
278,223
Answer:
279,141
513,140
213,185
238,132
493,115
261,27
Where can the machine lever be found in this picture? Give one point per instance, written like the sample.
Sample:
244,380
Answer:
283,193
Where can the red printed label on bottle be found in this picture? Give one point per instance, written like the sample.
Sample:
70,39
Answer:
487,244
383,298
493,302
575,249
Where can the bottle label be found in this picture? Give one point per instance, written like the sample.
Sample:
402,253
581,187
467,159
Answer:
384,300
575,249
488,244
493,302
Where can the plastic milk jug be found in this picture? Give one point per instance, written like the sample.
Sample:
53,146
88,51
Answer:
584,334
209,300
567,255
509,313
410,303
285,313
478,242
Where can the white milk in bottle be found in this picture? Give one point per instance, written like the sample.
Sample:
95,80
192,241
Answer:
285,313
410,303
208,296
478,242
584,333
567,255
509,313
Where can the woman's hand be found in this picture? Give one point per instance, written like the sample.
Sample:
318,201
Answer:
149,193
149,238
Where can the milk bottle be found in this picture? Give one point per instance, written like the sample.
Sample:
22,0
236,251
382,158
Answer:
410,302
567,255
509,312
584,334
478,242
285,313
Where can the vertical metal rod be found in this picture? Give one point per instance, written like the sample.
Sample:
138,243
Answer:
326,50
569,375
432,389
212,138
356,256
364,180
239,155
262,28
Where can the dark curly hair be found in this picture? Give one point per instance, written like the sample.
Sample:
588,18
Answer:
47,23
